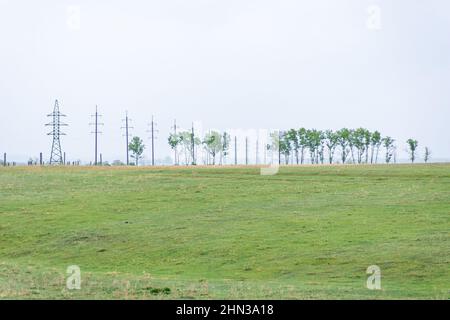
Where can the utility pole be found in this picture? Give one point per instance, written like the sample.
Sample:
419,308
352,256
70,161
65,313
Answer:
127,135
246,150
193,144
96,132
4,159
152,137
257,150
235,150
175,160
40,158
279,149
56,156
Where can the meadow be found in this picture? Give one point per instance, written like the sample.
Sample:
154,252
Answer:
308,232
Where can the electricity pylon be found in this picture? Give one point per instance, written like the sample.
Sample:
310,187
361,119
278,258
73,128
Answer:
56,155
96,132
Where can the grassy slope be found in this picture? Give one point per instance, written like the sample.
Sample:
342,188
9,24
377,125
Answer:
308,232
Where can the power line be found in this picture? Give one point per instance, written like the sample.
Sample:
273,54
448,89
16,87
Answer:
56,156
96,132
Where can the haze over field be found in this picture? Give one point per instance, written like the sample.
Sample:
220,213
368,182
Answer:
229,64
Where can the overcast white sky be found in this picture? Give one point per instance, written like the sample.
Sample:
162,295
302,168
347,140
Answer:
229,64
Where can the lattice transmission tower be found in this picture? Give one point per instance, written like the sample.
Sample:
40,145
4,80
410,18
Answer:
56,156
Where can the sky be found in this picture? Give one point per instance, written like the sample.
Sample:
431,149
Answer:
234,64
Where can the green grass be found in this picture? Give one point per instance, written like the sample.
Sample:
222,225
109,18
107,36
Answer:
308,232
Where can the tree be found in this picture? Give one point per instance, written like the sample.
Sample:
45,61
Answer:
226,138
174,140
293,137
274,145
344,142
303,143
213,144
388,144
285,146
367,142
427,154
136,146
331,141
412,145
375,143
358,140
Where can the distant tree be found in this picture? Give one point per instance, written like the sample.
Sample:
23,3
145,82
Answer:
274,145
388,144
294,139
213,144
136,146
174,141
331,141
117,163
367,143
359,142
375,142
344,137
303,143
285,146
427,154
226,138
412,147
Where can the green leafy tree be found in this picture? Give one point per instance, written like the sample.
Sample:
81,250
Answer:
388,144
213,144
285,146
427,154
174,141
226,138
136,146
367,142
359,142
412,149
293,137
375,143
331,142
303,143
344,138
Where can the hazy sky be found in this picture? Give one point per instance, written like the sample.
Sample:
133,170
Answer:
229,64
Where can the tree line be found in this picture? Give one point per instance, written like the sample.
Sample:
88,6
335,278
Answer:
297,146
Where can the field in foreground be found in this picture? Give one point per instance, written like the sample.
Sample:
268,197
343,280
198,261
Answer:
169,233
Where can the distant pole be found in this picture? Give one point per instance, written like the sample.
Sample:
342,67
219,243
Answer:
64,159
4,159
153,142
40,158
96,132
235,150
193,144
246,150
257,150
175,134
279,149
101,159
127,135
126,119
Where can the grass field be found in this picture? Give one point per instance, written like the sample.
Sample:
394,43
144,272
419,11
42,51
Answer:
200,233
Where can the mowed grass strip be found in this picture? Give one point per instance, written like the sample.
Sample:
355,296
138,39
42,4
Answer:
225,232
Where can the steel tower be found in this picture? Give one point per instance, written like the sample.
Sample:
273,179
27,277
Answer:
56,156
